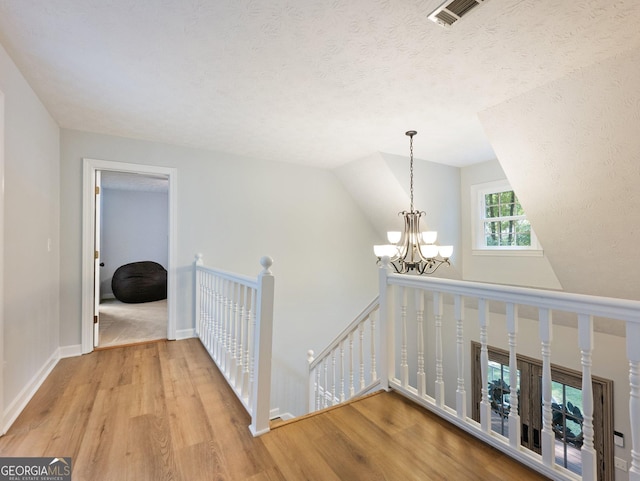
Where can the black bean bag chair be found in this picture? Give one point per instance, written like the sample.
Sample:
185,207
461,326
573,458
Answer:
143,281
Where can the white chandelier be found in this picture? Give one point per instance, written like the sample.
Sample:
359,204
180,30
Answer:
413,249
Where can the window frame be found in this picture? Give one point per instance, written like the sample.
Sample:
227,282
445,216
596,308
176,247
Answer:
478,247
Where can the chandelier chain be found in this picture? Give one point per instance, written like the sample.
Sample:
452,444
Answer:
411,168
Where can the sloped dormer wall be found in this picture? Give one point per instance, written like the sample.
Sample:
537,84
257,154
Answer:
571,150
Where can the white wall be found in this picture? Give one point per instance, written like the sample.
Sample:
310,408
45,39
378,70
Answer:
380,186
498,269
31,238
134,228
570,150
235,210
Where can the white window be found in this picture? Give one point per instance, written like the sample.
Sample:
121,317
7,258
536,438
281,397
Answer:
500,225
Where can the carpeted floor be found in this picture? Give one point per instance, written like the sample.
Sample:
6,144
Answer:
122,323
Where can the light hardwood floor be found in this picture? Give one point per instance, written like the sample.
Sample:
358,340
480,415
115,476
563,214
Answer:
162,411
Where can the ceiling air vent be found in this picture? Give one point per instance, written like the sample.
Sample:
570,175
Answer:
453,10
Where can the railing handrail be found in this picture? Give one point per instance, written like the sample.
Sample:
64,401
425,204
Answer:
230,276
364,314
608,307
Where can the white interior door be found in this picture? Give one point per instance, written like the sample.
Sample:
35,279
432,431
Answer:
96,261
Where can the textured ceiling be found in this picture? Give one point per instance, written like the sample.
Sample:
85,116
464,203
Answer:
308,81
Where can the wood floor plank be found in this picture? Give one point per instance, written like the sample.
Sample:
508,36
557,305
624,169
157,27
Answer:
150,451
163,411
193,460
284,447
104,446
390,457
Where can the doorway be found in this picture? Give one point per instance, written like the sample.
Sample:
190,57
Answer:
132,233
93,170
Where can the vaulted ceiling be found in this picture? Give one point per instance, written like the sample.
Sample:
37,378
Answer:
306,81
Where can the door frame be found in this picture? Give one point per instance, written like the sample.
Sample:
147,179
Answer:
89,168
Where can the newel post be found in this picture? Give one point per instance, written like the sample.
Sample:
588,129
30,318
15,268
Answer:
263,335
196,293
386,323
311,391
633,354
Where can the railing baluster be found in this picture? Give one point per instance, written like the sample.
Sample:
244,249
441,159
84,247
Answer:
588,453
241,338
352,389
485,404
333,376
461,395
372,320
404,366
313,386
219,321
342,378
252,357
237,355
208,314
229,326
205,311
548,436
437,313
422,379
361,350
249,345
514,417
233,366
325,366
633,354
318,387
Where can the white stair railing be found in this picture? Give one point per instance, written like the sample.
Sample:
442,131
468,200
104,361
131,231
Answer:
395,373
347,366
234,322
401,345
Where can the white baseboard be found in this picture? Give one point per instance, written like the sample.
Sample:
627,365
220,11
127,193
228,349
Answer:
185,333
22,399
275,413
70,351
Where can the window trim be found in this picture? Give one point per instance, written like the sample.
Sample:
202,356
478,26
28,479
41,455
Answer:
478,191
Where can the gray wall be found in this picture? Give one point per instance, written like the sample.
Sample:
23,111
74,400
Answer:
31,234
235,210
134,228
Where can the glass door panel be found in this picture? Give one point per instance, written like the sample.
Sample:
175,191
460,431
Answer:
566,415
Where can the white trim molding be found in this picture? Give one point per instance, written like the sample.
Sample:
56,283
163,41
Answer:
69,351
185,334
90,166
22,399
